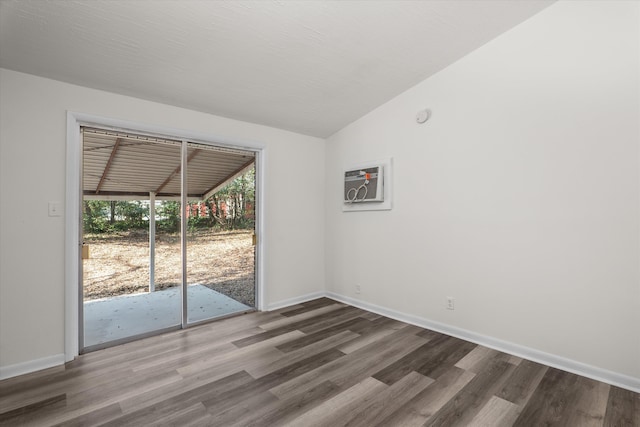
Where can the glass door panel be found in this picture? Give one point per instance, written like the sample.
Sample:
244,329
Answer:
131,244
220,229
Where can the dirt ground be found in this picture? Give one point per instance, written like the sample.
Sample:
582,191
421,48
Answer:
119,264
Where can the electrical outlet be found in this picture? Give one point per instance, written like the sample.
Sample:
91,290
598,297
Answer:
358,289
450,303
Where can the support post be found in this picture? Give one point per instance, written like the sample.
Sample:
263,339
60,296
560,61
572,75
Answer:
183,231
152,242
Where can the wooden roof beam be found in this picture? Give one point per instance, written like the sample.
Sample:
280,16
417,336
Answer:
233,175
176,171
108,166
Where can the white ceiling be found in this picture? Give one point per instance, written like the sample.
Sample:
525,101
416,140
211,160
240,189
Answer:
307,66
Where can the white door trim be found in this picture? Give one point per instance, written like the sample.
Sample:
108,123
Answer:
72,206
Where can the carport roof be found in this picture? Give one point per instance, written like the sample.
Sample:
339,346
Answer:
119,166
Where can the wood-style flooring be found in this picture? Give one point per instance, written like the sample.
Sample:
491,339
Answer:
320,363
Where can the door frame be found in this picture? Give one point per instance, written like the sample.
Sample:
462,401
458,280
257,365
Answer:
73,202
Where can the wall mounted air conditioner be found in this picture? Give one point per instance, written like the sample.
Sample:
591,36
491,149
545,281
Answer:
364,185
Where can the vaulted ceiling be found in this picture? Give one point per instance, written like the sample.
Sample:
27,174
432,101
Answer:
307,66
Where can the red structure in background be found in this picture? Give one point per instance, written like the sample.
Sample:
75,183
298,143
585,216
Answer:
201,209
248,211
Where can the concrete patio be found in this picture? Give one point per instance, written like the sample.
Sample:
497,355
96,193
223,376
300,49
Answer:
119,317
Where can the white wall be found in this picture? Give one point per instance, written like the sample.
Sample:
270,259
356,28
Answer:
519,198
32,172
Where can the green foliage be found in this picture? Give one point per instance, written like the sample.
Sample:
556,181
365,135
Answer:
234,204
230,208
108,216
168,216
134,215
95,218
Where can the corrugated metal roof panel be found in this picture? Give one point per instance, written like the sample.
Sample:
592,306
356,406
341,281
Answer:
122,164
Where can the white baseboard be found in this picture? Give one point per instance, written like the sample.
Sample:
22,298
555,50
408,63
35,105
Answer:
575,367
31,366
293,301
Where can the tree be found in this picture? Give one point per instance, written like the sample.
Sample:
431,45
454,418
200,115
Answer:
233,204
94,219
169,213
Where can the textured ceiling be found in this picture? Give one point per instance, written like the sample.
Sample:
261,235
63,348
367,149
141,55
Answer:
307,66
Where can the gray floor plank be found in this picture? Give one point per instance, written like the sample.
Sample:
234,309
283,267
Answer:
317,363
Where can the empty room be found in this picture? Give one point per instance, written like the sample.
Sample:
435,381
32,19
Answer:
320,213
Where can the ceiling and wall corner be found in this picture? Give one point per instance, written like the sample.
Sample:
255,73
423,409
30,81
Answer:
310,67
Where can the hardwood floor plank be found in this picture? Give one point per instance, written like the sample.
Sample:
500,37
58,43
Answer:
522,383
332,342
469,401
116,390
474,357
364,340
417,410
623,408
303,315
195,414
590,403
26,383
327,319
262,384
549,401
352,368
157,411
432,352
263,336
435,367
52,384
319,323
339,409
245,407
188,351
388,400
514,360
371,316
94,417
309,306
316,363
429,334
496,413
565,399
350,325
15,414
306,326
152,396
281,412
207,371
258,353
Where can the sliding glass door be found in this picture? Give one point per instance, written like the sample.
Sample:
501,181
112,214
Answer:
219,230
168,228
129,285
